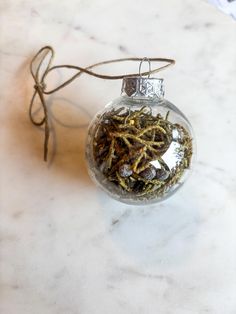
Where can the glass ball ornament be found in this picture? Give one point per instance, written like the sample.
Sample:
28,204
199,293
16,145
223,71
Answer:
140,147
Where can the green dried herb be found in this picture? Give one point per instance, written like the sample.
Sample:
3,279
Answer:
127,142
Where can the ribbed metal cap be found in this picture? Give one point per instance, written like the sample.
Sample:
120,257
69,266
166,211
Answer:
142,87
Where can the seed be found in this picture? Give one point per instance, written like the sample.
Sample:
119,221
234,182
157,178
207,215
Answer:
125,171
162,174
149,173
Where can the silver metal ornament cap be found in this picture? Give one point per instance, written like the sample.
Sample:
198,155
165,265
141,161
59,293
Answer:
142,87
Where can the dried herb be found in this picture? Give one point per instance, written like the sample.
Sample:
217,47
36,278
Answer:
128,145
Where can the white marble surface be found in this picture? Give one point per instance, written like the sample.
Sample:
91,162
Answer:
227,6
65,247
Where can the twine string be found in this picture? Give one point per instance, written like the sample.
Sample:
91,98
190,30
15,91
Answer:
40,88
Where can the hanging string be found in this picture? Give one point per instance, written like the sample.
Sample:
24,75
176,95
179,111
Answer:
47,53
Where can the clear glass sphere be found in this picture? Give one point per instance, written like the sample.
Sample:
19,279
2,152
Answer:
140,149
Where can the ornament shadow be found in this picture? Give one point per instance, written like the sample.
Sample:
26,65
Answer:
69,123
68,129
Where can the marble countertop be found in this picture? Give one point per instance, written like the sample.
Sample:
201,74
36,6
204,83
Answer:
66,247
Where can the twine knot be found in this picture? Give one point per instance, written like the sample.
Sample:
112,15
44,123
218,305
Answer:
40,86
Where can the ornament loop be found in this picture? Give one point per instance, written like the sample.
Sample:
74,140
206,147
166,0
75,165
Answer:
140,66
